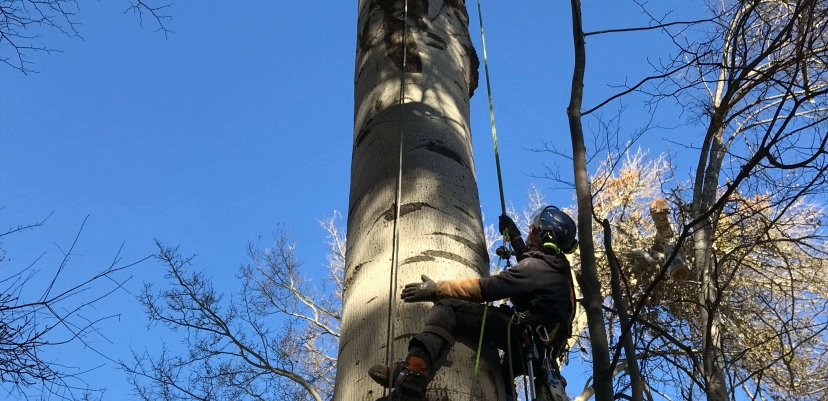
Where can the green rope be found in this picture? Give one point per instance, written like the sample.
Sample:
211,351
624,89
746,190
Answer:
491,111
480,343
477,358
502,208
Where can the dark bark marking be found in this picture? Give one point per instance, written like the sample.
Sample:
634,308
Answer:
419,15
361,137
367,129
420,258
367,38
451,256
403,336
459,86
432,255
464,211
436,46
460,12
441,43
405,209
394,26
444,151
342,348
369,301
478,248
365,126
359,74
353,205
418,12
364,38
351,277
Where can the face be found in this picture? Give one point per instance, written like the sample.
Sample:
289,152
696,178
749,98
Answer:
532,240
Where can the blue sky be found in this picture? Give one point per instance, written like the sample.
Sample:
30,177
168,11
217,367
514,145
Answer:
242,119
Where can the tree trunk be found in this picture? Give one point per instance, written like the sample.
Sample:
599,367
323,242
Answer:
590,285
440,224
706,185
628,340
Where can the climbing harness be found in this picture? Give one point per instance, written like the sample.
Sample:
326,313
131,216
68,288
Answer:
395,247
540,345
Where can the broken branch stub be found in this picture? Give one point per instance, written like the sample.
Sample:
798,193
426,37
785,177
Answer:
662,247
660,213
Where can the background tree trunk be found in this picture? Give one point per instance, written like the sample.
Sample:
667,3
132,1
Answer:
627,341
590,285
441,230
705,196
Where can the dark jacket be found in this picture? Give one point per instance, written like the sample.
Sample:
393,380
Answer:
539,284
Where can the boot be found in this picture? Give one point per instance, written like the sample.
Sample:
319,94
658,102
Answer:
410,377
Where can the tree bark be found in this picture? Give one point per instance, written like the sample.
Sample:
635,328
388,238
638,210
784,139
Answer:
706,185
590,285
440,224
636,382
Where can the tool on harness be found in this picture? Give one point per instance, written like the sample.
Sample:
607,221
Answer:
530,336
538,345
504,253
530,355
554,388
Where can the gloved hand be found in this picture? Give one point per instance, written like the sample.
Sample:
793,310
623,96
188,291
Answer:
420,292
505,223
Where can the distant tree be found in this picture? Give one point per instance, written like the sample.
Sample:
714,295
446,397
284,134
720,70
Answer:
276,339
37,323
23,21
758,78
770,254
754,75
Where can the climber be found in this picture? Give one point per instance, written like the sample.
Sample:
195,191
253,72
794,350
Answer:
539,287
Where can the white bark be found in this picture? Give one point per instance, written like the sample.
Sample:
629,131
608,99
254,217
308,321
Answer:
662,246
441,232
589,391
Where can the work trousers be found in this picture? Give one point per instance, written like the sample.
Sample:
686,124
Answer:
451,320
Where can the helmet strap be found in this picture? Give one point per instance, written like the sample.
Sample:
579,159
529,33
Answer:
558,249
552,246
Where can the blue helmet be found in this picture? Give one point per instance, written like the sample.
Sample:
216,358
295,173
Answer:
557,230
